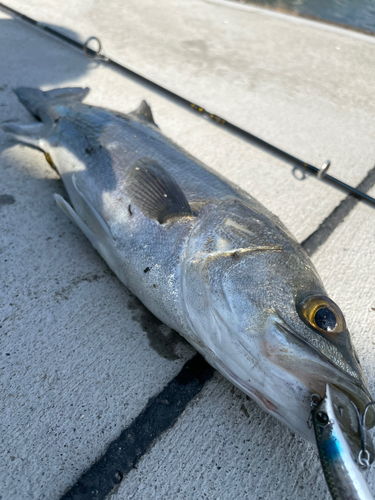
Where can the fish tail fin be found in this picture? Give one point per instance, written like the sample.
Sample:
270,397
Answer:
36,101
29,134
30,98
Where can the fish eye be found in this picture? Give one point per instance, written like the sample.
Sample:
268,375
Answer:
325,319
323,314
322,418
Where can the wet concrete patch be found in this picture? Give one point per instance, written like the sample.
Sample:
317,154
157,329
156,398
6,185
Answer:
161,338
7,199
63,293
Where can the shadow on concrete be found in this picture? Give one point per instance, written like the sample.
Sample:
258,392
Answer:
31,58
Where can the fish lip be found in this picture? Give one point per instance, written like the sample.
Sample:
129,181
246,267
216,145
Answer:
356,389
354,397
352,431
347,389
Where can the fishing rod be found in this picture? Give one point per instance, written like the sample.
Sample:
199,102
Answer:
321,172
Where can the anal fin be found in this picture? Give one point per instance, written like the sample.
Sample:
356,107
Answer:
69,211
153,190
101,246
90,222
93,219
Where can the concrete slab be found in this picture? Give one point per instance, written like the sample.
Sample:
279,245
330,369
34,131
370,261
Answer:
63,312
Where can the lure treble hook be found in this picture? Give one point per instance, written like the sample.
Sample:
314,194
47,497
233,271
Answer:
363,455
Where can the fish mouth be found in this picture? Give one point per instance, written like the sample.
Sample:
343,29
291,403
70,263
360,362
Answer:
314,371
348,419
350,398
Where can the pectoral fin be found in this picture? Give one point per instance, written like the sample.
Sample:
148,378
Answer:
155,192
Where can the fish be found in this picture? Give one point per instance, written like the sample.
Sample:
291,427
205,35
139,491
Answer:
344,479
203,256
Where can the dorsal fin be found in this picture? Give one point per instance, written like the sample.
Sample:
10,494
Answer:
143,112
155,192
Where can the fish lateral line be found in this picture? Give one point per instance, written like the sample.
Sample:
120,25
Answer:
238,252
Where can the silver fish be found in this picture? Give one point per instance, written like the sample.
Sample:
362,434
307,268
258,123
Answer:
344,479
203,255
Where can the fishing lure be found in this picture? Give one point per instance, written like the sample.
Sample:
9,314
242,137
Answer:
344,479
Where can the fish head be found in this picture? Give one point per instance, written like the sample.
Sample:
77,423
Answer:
276,334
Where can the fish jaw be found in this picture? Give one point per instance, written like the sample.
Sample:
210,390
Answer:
284,388
311,374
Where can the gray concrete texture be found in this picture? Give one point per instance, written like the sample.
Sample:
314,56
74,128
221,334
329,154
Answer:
80,357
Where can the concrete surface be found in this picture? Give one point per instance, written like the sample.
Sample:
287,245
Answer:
79,356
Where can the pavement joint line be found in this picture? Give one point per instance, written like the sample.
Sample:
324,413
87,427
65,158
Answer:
159,415
313,242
